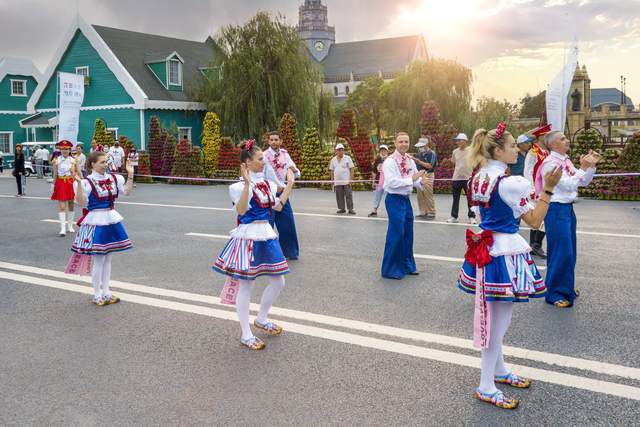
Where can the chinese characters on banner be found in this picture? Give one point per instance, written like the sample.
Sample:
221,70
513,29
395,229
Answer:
71,96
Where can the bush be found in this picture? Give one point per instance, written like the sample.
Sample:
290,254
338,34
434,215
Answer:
211,141
316,162
144,168
187,162
156,146
228,166
289,138
168,152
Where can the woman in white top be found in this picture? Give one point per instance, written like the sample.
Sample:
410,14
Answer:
65,168
400,176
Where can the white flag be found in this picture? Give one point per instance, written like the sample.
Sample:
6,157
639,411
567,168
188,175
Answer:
71,95
558,91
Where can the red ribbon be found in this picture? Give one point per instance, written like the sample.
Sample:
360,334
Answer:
478,248
85,212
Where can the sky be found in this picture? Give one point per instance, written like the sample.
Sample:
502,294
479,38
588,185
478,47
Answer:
513,47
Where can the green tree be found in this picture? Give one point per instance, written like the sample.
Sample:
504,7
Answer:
326,116
489,112
267,71
368,103
533,106
211,140
445,82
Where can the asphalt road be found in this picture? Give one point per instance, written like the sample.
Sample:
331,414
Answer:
169,354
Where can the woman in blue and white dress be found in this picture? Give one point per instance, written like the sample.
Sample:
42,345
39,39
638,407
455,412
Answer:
498,267
253,249
101,231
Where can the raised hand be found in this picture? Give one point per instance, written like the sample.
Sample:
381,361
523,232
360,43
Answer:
418,175
244,173
552,178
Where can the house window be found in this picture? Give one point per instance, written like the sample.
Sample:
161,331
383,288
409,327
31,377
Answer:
175,72
83,71
184,133
114,133
18,88
335,91
346,90
6,142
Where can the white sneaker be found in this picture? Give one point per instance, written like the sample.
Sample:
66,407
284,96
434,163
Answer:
473,221
453,220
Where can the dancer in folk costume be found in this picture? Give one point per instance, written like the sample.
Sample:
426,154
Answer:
65,168
101,231
400,176
498,267
253,249
561,220
279,161
532,163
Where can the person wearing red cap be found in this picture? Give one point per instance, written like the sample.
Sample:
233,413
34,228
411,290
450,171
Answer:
65,168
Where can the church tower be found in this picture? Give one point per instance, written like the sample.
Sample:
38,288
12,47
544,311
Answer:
314,28
579,101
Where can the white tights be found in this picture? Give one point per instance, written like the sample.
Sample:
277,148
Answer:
100,274
492,362
270,294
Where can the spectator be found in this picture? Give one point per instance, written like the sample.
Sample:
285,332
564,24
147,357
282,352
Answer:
39,162
117,156
524,144
378,178
1,162
341,167
426,161
133,159
46,168
82,159
18,171
461,175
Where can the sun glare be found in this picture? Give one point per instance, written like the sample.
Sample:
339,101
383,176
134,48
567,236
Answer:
438,15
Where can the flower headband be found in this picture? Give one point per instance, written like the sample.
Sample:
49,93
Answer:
500,130
249,144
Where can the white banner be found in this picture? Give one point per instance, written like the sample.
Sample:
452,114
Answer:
558,91
71,96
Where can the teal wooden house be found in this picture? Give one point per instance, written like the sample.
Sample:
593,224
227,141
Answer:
18,81
129,78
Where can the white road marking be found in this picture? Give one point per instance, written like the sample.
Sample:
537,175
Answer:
356,325
309,214
552,377
419,256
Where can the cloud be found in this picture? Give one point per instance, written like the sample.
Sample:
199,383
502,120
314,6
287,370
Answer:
526,37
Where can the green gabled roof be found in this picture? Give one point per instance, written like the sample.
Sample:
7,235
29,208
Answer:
134,50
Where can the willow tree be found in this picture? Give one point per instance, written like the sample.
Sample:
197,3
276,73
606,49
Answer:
446,82
367,102
264,71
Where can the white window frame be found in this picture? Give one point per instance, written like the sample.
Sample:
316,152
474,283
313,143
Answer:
24,87
180,129
54,133
84,67
111,130
169,81
10,133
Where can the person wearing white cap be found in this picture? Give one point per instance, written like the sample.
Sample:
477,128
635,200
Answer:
524,144
461,174
426,161
341,167
378,178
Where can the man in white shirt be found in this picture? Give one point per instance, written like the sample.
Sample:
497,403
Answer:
38,156
82,160
277,162
117,155
400,176
560,221
341,167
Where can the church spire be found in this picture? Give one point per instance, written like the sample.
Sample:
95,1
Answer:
314,29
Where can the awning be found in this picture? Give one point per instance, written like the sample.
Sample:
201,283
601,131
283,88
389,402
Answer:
40,120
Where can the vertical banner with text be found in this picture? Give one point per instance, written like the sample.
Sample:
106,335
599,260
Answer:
71,96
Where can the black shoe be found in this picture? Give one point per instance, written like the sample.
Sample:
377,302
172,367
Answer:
372,214
352,212
539,252
341,211
430,217
413,273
